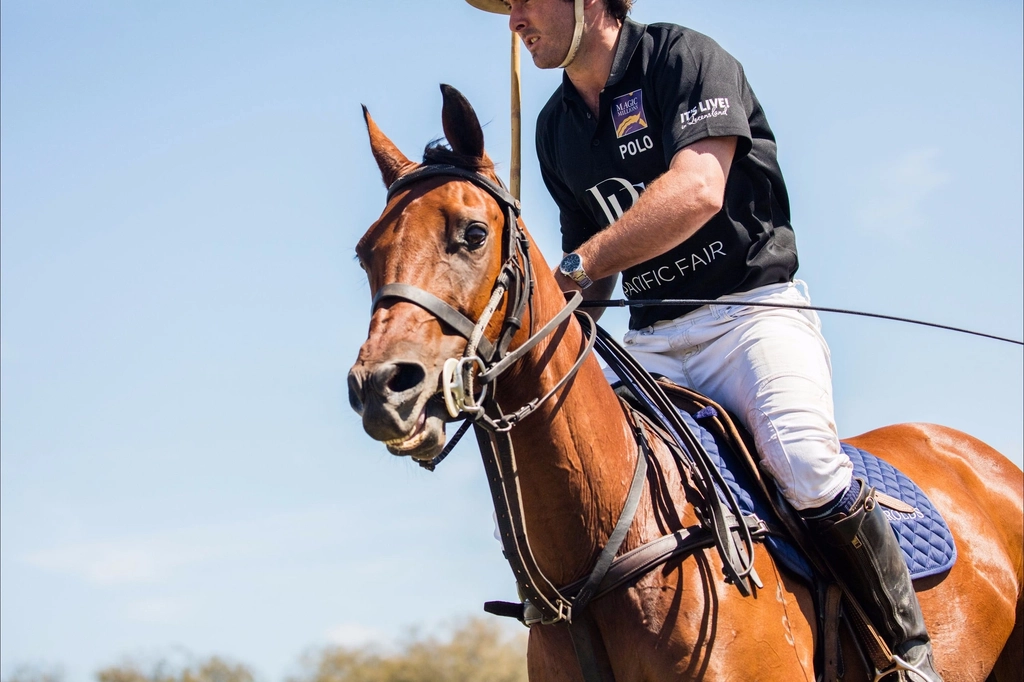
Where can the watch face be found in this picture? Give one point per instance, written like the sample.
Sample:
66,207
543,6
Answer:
570,263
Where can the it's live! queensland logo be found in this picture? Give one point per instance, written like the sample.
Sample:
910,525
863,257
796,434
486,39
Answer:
628,114
709,108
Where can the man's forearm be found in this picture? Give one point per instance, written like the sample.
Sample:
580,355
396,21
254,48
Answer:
669,212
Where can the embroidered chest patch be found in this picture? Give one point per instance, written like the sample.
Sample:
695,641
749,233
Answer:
628,113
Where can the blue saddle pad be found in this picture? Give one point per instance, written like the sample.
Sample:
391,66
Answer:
924,537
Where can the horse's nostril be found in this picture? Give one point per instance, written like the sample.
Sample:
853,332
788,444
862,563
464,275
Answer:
408,375
396,377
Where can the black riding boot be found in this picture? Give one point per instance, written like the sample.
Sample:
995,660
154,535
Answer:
864,552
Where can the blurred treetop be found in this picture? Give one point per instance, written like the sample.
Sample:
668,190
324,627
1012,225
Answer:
478,651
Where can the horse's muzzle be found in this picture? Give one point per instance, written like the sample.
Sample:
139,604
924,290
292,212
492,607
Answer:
392,399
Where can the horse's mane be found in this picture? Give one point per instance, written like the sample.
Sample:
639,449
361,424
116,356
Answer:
437,152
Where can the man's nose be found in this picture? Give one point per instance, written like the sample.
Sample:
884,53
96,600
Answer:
516,22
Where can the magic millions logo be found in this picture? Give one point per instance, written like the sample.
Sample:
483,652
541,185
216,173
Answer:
628,113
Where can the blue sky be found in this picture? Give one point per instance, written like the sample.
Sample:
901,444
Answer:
181,188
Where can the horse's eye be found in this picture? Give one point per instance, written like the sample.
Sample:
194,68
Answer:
476,235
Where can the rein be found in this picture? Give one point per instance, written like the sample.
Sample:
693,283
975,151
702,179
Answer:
625,303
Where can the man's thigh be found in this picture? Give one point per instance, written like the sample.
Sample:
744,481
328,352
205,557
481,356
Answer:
771,368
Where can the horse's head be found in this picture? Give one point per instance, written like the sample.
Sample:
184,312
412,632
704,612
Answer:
432,260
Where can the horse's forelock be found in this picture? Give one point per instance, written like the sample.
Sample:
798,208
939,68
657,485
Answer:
437,153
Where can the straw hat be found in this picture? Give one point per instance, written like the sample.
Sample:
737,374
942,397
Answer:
496,6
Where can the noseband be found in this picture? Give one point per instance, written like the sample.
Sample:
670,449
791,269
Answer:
483,361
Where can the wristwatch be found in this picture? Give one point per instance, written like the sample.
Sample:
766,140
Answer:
572,267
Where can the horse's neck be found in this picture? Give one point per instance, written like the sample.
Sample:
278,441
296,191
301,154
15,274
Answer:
575,455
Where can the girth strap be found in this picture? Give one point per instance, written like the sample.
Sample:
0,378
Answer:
591,653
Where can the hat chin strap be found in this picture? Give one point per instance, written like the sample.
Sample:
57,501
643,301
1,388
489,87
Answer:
577,35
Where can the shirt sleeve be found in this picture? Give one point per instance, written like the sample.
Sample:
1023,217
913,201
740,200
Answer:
701,92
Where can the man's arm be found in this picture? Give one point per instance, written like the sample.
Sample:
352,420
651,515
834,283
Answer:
668,213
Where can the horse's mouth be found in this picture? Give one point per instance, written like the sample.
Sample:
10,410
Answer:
427,436
411,441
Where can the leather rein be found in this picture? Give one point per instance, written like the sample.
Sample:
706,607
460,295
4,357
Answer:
484,361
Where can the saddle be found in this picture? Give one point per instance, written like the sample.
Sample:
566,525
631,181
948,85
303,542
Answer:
923,534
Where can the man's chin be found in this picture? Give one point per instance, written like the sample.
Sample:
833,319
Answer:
542,63
545,61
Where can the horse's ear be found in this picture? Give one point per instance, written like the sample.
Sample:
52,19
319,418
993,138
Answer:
460,124
392,163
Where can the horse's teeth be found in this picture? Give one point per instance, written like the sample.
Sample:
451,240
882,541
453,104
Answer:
402,444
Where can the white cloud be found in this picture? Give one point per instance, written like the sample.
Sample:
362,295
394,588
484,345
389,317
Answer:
103,563
154,558
355,635
898,193
156,610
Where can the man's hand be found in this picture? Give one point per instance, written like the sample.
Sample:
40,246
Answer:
564,283
602,289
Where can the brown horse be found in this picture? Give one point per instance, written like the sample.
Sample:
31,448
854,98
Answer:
576,454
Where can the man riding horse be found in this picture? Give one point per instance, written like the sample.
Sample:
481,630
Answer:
664,168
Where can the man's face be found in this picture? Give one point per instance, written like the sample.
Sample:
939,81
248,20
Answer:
545,27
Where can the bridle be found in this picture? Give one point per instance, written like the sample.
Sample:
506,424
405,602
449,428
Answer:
482,361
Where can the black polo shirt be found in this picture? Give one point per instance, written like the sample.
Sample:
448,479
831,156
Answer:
668,88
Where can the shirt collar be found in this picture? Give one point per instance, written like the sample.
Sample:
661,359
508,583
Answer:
629,39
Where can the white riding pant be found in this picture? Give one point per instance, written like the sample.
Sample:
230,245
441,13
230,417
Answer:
772,369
